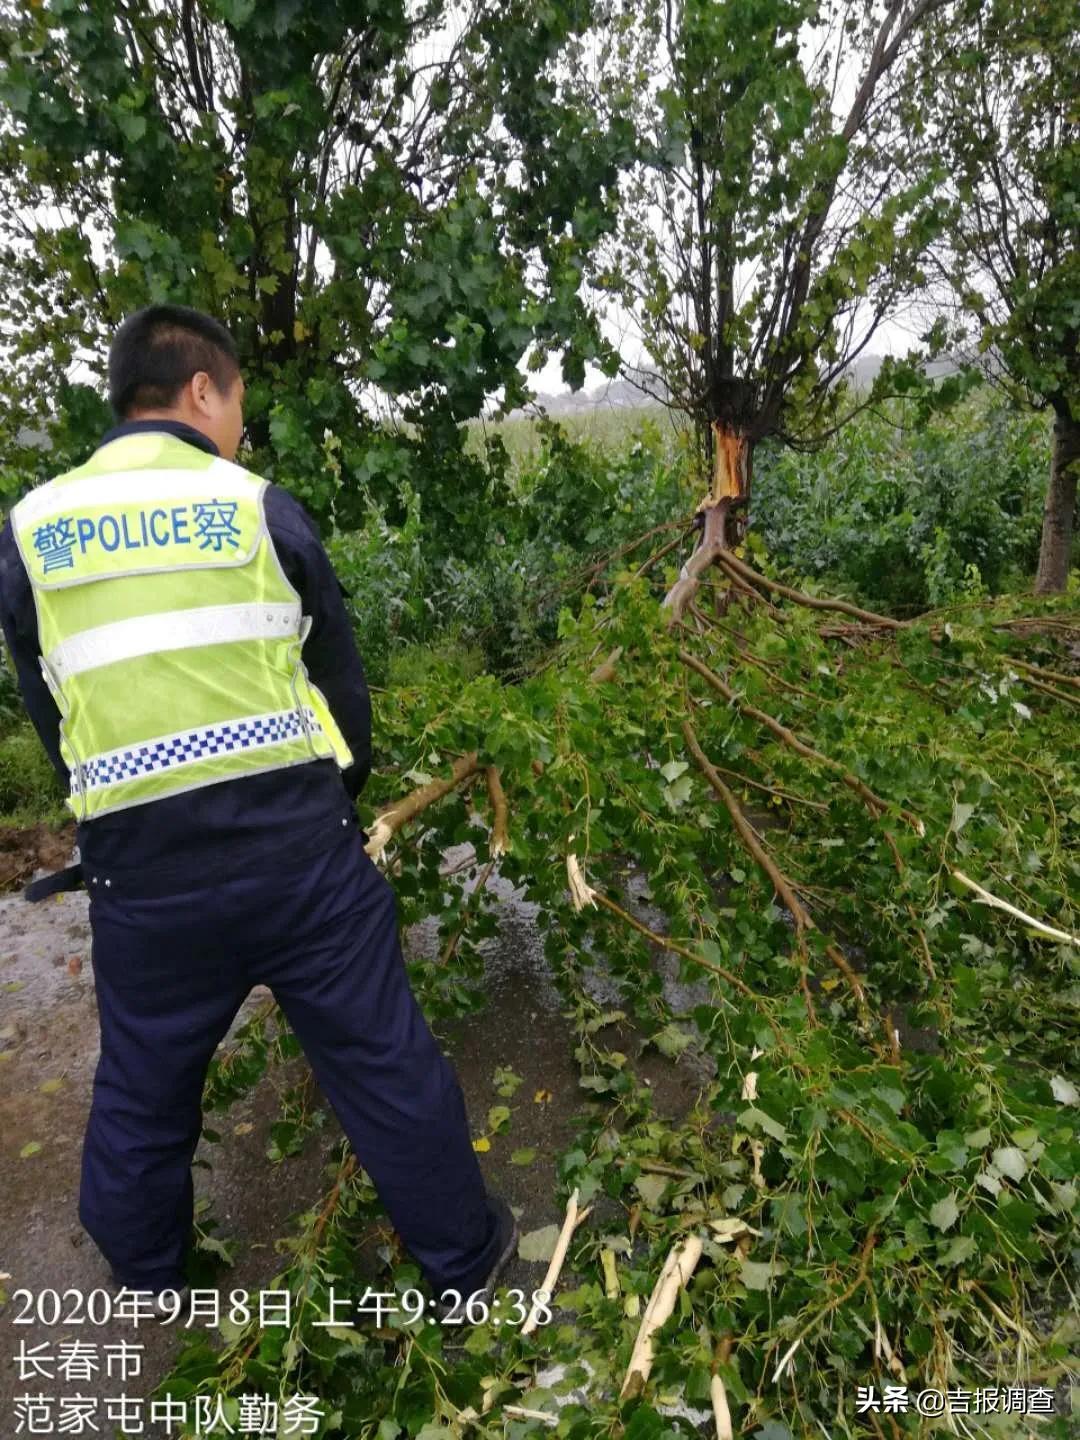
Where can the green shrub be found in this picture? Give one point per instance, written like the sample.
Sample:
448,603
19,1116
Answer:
412,580
912,515
29,788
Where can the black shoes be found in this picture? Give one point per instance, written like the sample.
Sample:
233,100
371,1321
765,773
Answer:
506,1249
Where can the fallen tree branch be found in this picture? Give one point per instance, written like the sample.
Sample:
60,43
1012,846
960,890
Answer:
712,544
678,1268
733,980
581,892
745,653
994,901
605,671
1059,676
739,568
609,1265
600,898
788,795
1050,622
833,1304
466,910
500,834
1064,697
657,555
802,917
718,1394
874,802
390,821
562,1244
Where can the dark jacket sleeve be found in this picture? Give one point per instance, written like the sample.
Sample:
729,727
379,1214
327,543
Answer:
18,619
330,653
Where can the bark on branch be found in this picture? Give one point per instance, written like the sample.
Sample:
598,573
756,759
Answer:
803,919
390,821
743,571
500,834
874,802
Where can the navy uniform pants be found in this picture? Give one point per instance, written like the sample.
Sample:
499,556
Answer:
172,969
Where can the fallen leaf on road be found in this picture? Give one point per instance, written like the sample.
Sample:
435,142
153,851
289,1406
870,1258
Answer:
539,1245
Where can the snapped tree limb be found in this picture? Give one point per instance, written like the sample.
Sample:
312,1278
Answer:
390,821
678,1268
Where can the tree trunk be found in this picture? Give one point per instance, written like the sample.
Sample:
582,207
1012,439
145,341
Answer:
721,515
732,469
1057,530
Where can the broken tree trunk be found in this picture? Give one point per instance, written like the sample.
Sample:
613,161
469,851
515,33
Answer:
721,515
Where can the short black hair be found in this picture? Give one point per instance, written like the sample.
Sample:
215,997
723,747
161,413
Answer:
157,350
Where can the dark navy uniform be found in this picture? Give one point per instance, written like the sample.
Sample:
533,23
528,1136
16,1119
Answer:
195,898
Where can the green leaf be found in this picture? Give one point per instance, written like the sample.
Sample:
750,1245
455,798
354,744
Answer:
343,1332
651,1188
132,126
1010,1161
678,794
753,1118
671,1041
30,1148
538,1245
525,1156
944,1213
959,1249
505,1081
961,815
759,1275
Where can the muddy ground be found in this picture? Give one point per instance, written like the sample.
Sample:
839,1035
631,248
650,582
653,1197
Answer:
48,1051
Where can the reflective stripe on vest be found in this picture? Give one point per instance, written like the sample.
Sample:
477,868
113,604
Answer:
168,752
170,635
170,630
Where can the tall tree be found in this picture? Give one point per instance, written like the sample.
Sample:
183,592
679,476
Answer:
386,201
769,225
1006,107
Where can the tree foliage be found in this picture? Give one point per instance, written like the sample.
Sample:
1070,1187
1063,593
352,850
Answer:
387,204
771,219
905,1154
1004,101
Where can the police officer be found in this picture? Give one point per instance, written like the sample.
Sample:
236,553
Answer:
186,657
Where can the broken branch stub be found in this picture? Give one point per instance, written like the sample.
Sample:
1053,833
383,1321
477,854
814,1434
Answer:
392,819
557,1258
678,1268
500,832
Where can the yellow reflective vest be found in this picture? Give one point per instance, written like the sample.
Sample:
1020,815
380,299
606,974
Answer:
170,636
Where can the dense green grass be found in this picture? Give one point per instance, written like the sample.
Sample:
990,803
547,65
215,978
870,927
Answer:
29,789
